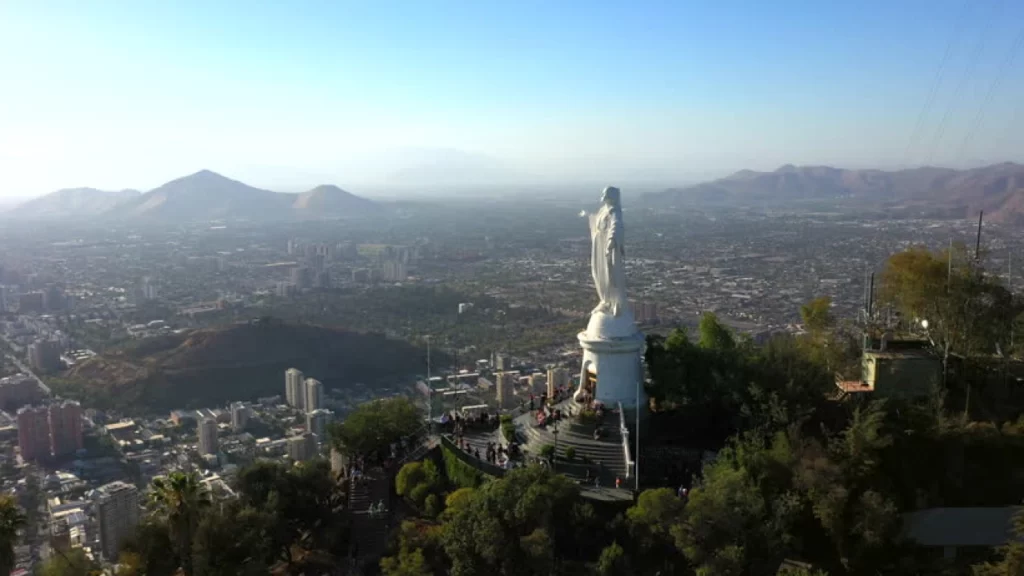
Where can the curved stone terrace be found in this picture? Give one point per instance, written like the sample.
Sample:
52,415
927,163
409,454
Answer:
597,462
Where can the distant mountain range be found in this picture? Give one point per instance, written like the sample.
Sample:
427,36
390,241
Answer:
72,203
997,189
202,196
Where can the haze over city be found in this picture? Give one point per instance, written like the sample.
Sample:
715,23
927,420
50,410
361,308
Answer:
373,96
434,288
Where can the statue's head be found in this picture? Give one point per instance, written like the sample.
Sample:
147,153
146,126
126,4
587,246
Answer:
610,196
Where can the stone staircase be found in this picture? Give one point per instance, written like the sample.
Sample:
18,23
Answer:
369,534
607,451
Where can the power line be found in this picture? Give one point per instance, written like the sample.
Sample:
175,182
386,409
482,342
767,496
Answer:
953,40
1007,63
968,72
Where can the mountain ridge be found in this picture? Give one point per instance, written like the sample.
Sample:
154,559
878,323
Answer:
71,203
998,189
206,195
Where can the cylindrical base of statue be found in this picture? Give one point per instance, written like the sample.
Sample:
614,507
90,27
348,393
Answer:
611,372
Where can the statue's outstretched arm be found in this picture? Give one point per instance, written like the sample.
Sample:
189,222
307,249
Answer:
615,236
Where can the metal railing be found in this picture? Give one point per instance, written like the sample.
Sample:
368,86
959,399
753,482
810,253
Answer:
624,431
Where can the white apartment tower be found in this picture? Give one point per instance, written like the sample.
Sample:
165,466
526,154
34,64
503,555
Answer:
557,378
239,416
505,388
302,447
314,390
294,391
316,424
208,436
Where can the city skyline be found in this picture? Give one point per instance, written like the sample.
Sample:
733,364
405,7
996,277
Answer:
374,97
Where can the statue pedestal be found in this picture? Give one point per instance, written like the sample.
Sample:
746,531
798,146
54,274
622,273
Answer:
611,351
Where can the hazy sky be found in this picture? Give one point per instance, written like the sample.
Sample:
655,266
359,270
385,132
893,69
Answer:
288,94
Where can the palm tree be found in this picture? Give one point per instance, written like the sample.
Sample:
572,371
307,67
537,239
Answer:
180,499
11,519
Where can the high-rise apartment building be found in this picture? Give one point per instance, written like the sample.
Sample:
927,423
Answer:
18,390
314,395
294,390
302,447
393,271
65,420
538,383
302,277
30,302
505,388
208,436
34,433
117,513
239,416
44,355
557,378
316,423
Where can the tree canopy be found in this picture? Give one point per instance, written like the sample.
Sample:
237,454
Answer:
375,425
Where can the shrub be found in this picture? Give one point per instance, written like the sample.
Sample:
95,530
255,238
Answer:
547,451
458,472
508,431
432,506
587,417
419,494
570,453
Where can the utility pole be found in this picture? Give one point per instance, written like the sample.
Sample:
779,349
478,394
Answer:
430,393
977,242
949,265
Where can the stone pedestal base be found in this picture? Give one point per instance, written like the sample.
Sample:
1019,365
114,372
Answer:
611,350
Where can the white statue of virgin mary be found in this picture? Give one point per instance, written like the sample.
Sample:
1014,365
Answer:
608,254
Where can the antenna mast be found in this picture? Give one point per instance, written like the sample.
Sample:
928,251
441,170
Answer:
977,242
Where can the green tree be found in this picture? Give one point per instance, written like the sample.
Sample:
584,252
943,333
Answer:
11,521
968,312
513,524
304,503
233,541
418,480
152,544
180,500
614,562
817,315
651,522
724,525
374,426
458,499
418,539
714,335
407,563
